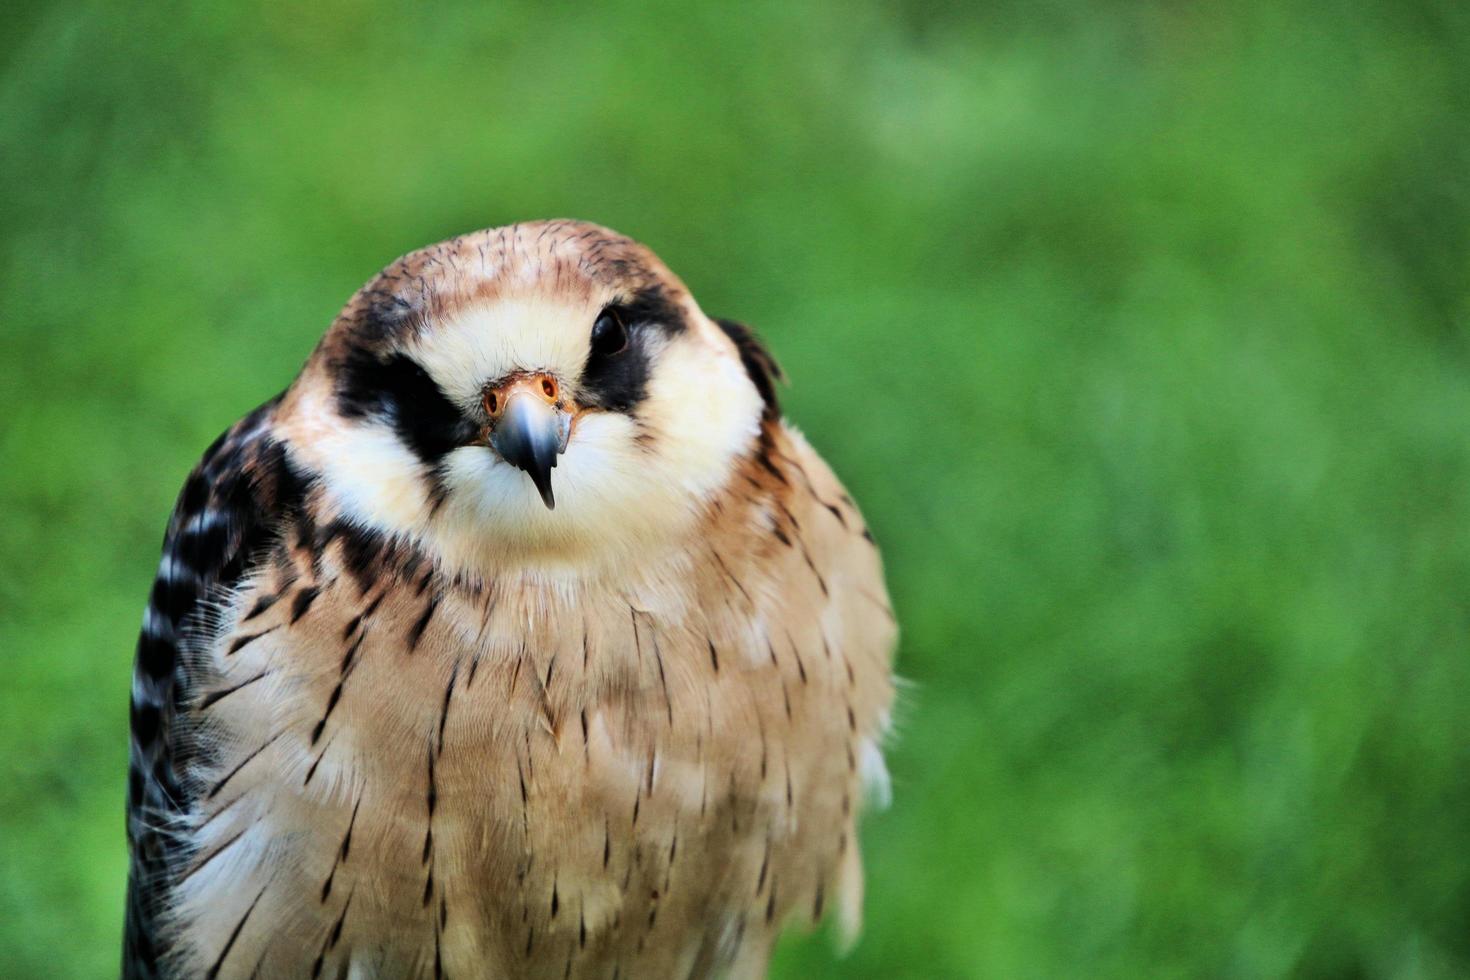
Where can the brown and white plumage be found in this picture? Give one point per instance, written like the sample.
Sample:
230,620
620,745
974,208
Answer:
395,716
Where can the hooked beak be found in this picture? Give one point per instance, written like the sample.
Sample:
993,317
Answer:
529,427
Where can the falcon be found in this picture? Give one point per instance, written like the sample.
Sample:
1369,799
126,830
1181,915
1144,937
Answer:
519,637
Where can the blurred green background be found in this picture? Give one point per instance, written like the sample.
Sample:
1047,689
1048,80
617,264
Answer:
1141,332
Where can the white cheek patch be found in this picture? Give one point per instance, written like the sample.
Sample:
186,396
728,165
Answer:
704,411
371,473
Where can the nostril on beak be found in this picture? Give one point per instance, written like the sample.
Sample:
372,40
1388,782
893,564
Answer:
543,386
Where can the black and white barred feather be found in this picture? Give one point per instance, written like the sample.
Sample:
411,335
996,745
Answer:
232,510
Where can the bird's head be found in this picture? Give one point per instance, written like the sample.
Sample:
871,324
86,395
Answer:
546,393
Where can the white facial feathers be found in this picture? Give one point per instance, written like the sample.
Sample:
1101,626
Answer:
630,482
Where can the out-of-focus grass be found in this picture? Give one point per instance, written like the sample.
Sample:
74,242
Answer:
1139,331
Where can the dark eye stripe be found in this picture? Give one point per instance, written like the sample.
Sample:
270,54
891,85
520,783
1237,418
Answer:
620,382
400,391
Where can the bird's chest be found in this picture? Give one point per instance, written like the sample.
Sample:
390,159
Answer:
404,781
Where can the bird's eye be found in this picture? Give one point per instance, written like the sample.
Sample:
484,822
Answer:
609,336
